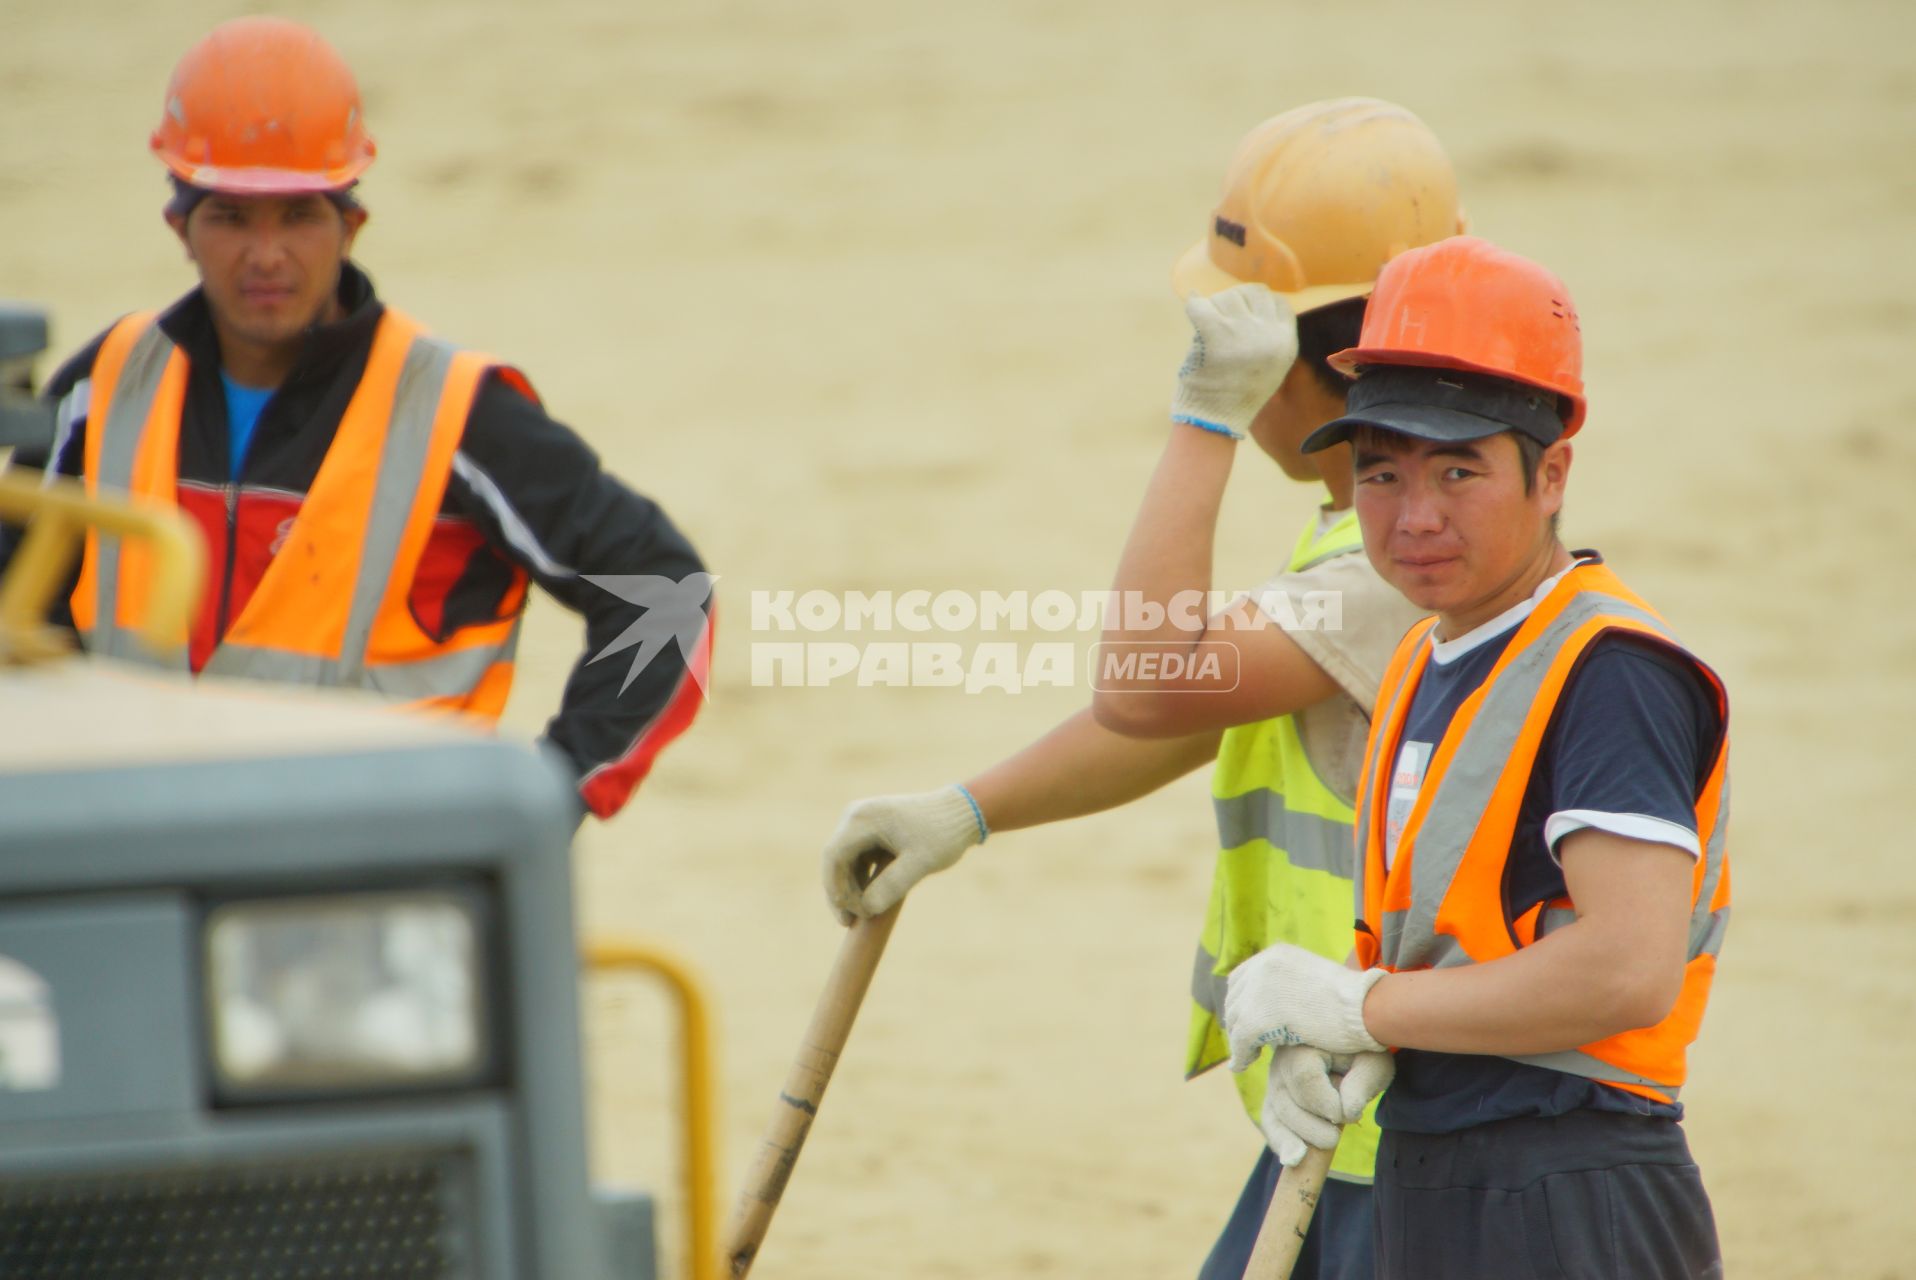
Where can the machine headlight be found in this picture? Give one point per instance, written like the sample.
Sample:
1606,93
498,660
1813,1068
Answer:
366,991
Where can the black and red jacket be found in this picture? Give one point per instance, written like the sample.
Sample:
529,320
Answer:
525,491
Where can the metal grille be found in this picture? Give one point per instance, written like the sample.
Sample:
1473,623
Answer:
333,1220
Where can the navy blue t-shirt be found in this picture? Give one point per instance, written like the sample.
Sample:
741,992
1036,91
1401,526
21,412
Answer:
1635,732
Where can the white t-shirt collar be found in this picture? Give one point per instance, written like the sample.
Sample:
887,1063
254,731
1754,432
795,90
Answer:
1444,652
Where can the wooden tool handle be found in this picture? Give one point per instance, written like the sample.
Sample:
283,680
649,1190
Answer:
811,1071
1288,1218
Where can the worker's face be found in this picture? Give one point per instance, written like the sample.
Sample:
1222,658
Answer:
1300,406
269,264
1451,526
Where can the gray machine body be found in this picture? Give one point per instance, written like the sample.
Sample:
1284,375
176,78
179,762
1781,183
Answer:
106,875
23,336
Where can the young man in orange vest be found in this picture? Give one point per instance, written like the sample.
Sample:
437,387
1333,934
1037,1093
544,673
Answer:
1315,201
1542,884
374,501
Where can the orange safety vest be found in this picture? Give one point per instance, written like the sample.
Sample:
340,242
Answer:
1440,903
331,608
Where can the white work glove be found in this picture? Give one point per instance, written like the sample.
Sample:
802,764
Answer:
1313,1094
1287,995
925,832
1244,344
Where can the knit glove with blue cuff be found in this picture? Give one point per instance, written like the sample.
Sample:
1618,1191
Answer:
1285,995
925,832
1245,341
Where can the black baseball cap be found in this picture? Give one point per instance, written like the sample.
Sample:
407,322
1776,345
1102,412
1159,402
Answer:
1441,404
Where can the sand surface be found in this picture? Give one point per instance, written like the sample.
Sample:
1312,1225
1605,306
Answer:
873,296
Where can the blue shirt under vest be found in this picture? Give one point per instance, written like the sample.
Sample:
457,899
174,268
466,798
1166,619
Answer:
243,407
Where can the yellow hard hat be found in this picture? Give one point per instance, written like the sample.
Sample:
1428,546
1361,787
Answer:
1318,199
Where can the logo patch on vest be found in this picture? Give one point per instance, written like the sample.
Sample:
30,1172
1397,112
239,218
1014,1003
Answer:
1406,781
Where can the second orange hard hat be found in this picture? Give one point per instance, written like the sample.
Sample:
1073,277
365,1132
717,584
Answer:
263,106
1466,304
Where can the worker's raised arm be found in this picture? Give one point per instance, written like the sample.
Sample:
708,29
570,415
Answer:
1244,345
1078,768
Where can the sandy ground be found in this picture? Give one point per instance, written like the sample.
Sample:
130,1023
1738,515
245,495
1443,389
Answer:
873,296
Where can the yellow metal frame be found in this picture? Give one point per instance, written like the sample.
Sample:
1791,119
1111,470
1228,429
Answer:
695,1065
58,514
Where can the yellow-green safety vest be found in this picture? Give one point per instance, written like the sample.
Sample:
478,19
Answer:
1286,855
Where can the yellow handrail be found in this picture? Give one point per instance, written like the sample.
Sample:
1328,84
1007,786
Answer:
58,514
695,1040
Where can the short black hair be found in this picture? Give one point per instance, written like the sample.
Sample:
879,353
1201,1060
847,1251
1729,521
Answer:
1322,332
186,197
1530,454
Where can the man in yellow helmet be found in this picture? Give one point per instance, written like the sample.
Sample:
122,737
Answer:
1315,202
375,500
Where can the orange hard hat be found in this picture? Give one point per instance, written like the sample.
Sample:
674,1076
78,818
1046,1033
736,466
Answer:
1318,199
1467,305
263,106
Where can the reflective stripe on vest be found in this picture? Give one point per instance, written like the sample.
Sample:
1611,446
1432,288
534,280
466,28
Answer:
137,375
1440,901
331,608
1283,872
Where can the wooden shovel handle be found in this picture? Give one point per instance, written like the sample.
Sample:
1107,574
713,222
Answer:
811,1071
1288,1218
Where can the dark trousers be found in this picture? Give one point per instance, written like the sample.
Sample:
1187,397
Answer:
1337,1247
1585,1196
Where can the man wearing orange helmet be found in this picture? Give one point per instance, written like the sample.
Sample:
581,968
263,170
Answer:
1542,882
1315,201
375,500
